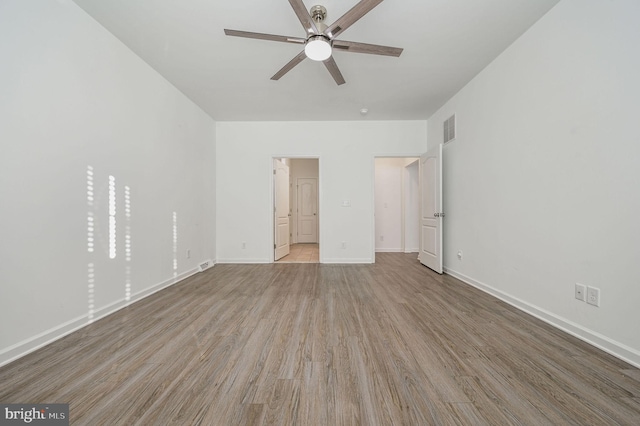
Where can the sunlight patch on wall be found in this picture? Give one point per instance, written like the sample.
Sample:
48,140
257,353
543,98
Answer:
127,242
112,217
91,288
90,223
91,278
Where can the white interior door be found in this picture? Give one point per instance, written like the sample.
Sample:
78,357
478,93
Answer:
281,207
431,209
307,210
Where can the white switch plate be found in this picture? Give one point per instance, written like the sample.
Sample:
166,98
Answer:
346,203
581,292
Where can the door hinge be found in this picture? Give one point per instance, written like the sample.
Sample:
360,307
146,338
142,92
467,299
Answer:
274,246
274,171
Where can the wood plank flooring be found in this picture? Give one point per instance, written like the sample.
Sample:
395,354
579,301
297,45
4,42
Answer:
302,253
315,344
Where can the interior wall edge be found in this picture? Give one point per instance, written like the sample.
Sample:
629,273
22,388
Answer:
32,344
593,338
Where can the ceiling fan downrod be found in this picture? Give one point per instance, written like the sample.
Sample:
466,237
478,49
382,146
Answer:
318,13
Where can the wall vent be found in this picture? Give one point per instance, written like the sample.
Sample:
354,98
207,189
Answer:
205,265
449,128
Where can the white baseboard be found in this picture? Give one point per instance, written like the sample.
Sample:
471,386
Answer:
397,250
598,340
34,343
347,260
326,260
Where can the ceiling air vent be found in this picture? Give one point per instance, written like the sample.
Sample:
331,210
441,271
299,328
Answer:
449,128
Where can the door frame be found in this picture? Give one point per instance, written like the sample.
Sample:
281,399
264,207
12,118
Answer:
373,195
271,207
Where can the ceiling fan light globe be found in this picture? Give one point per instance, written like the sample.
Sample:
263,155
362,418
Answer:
318,49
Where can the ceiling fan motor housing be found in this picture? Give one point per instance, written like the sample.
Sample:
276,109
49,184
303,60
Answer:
318,46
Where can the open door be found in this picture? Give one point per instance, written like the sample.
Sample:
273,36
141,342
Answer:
431,209
281,208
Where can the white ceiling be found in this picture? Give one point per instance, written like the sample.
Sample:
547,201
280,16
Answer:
446,43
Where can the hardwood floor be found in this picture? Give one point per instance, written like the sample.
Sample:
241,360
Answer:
302,253
315,344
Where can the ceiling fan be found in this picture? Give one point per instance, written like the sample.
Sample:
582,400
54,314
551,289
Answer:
321,39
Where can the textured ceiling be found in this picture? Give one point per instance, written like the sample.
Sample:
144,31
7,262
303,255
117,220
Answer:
446,43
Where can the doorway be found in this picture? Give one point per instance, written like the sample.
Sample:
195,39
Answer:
399,199
396,205
303,212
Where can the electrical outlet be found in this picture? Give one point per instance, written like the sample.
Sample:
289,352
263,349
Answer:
244,245
188,253
344,244
381,237
593,296
581,292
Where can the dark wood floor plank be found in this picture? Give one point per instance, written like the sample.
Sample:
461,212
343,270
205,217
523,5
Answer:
312,344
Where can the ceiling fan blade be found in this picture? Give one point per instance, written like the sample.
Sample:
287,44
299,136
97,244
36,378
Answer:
292,63
262,36
303,15
373,49
349,18
333,70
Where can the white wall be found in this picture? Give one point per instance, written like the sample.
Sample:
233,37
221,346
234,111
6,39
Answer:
300,168
542,184
304,167
72,96
346,151
412,207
